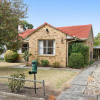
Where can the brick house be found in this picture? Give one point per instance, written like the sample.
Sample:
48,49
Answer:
51,43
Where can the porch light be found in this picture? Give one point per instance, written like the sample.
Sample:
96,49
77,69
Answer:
47,30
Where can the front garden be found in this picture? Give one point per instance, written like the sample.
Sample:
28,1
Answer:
55,80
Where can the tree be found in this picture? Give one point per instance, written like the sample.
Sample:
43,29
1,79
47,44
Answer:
11,12
97,40
26,25
1,47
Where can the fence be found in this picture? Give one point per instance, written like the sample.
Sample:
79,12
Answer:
28,89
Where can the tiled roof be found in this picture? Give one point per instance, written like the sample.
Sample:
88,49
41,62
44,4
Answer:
81,31
26,33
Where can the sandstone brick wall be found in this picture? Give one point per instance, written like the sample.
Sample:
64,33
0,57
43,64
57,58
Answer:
60,48
89,42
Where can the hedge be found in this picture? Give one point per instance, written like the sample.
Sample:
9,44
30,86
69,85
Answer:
76,60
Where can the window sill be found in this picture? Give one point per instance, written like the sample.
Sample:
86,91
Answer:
46,55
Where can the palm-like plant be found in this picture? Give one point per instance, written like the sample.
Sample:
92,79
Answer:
26,56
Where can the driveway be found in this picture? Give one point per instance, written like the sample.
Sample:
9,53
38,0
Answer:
78,86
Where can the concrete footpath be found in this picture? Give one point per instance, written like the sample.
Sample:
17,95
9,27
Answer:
78,85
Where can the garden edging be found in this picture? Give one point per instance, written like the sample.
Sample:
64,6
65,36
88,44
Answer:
19,96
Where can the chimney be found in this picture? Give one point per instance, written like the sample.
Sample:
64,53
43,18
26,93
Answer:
20,28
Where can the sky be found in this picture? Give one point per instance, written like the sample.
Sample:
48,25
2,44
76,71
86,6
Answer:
61,13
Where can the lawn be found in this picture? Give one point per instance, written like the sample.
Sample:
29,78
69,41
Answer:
6,64
53,78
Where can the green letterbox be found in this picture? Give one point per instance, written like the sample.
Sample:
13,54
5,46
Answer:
34,66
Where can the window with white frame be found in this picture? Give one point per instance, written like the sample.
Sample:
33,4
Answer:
46,47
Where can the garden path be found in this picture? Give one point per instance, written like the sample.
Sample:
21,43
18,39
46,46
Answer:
78,85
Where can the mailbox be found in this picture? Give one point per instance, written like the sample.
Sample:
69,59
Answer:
34,66
34,71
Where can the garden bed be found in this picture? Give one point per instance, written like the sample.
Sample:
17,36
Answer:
31,93
55,81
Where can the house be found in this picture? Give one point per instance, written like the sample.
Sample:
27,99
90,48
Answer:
51,43
96,50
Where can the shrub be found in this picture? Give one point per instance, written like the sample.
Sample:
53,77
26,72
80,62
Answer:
1,59
38,63
14,84
44,62
77,47
10,56
91,62
76,60
56,64
26,55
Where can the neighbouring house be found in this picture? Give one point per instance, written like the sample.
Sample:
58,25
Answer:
96,51
51,43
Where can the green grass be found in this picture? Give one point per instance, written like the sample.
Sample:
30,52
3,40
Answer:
53,78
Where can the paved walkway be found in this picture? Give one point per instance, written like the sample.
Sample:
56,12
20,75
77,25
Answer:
48,68
78,85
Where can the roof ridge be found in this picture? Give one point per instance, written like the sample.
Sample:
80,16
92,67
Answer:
74,26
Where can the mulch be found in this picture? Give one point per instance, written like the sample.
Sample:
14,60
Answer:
31,92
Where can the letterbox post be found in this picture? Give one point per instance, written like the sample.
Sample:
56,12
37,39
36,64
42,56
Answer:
34,71
35,82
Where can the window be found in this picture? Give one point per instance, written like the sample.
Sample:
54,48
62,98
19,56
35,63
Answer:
24,47
46,47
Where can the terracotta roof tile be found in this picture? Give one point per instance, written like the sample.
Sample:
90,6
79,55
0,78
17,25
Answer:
26,33
81,31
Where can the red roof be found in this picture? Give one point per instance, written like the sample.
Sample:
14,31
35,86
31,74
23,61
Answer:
81,31
26,33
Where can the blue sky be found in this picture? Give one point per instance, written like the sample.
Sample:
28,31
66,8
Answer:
64,13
